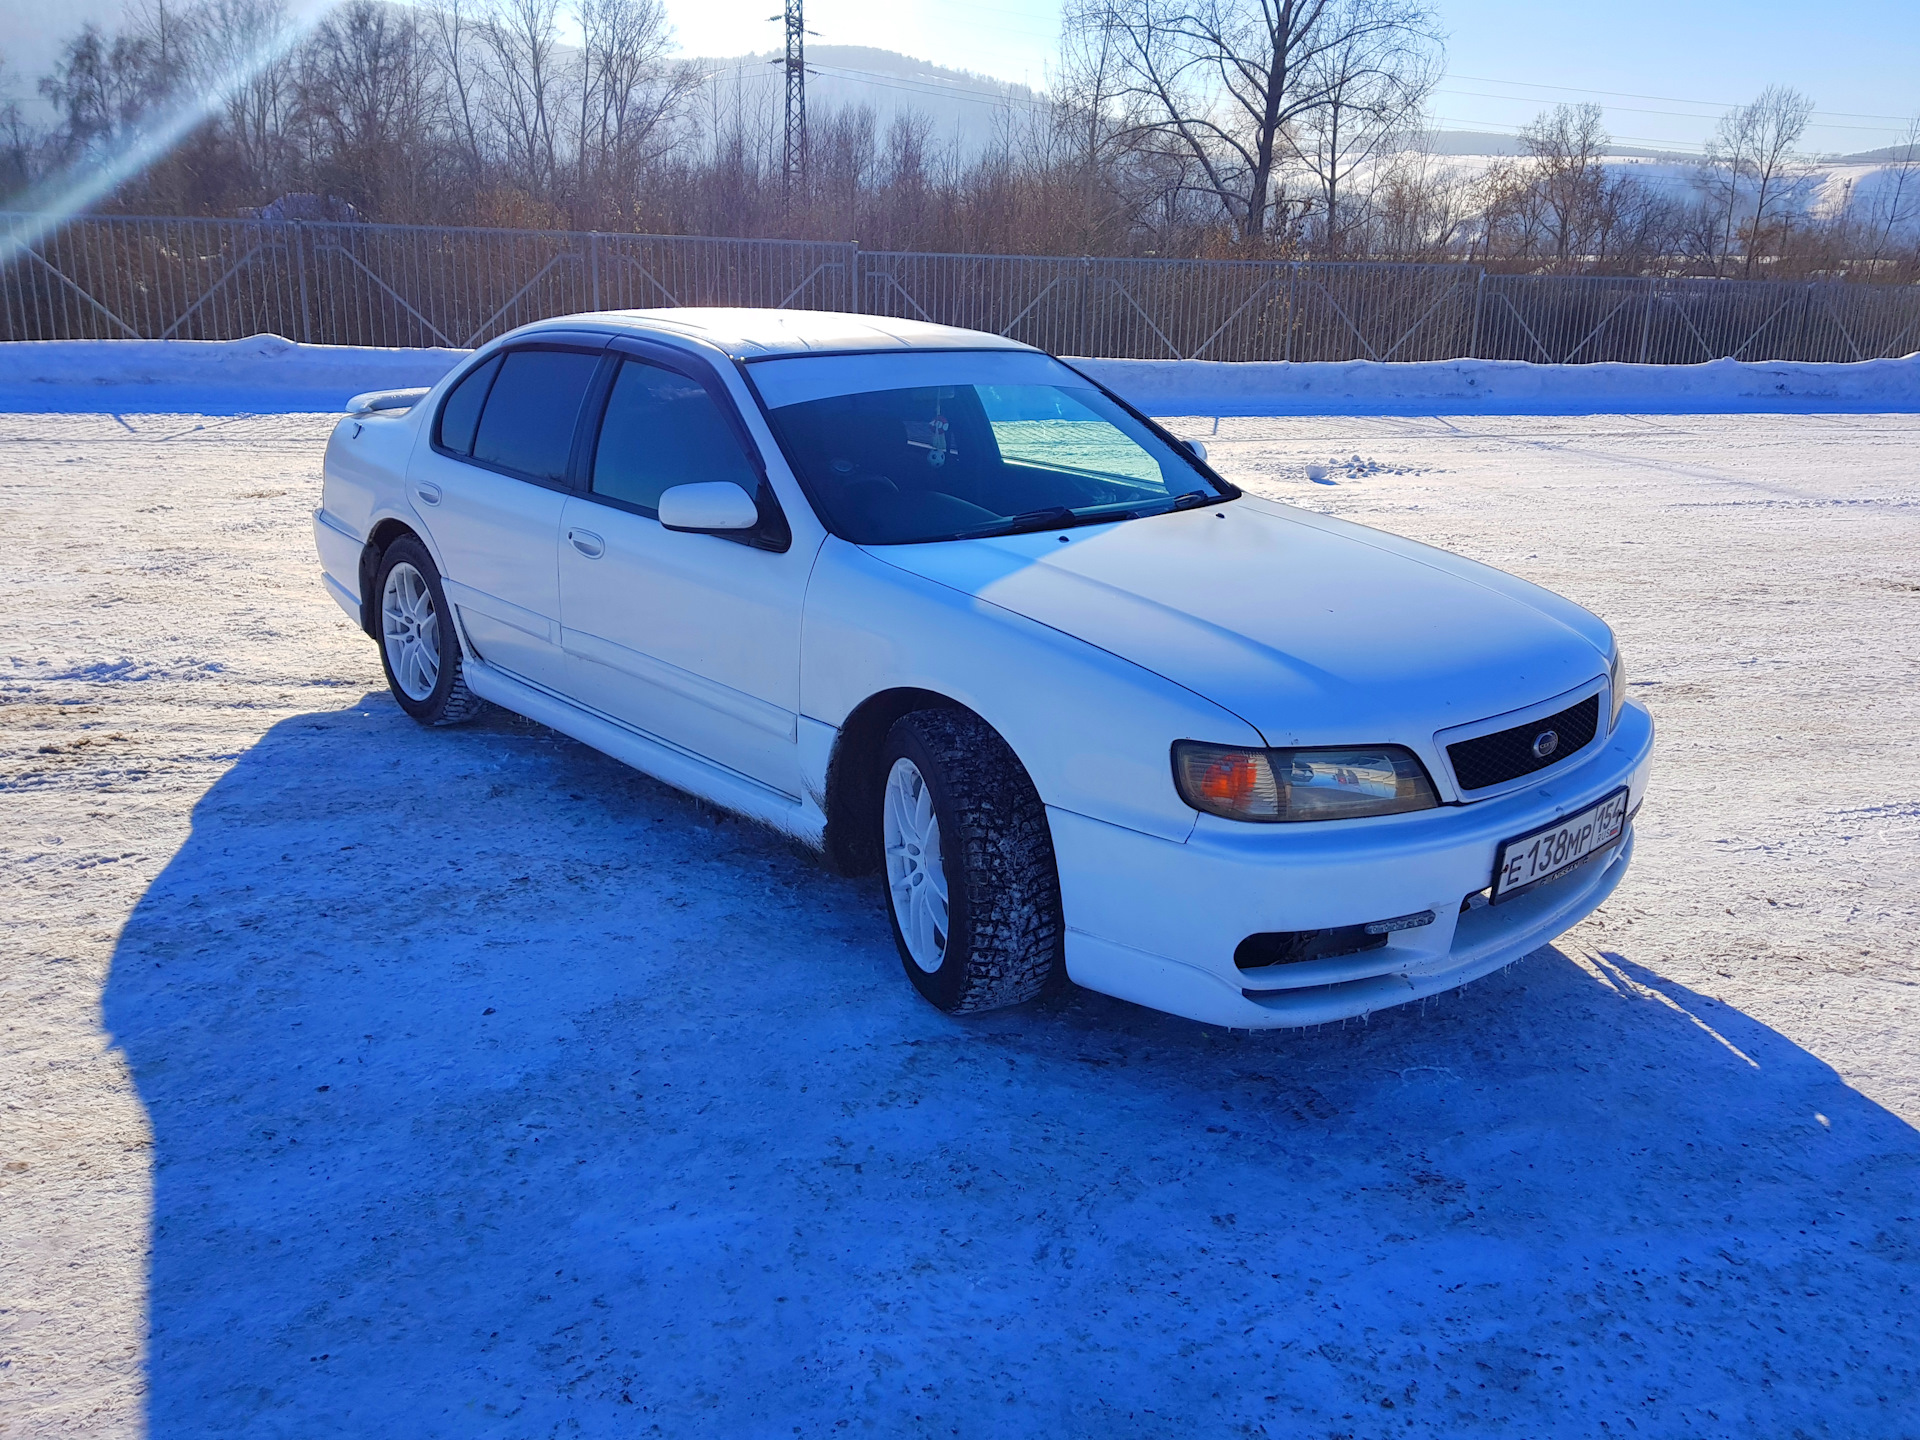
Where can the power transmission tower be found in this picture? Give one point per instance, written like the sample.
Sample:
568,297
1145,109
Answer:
795,169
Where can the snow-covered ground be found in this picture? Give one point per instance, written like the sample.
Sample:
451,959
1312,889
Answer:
265,374
362,1080
260,375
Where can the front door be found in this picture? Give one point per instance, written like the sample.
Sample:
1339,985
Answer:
491,488
694,639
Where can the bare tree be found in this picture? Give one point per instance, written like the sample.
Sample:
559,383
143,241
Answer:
1780,118
1752,153
842,154
1373,80
364,88
1424,208
22,143
242,52
907,167
1220,82
1894,210
1563,149
1091,122
454,49
525,93
103,87
628,94
1561,207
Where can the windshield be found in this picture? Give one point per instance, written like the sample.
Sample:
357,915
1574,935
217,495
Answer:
946,462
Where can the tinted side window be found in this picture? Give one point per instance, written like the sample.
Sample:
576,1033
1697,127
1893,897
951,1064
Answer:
661,430
461,413
528,421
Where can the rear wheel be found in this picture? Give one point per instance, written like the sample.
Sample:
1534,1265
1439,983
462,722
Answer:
968,864
418,647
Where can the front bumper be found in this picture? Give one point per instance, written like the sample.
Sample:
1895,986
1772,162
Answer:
1157,922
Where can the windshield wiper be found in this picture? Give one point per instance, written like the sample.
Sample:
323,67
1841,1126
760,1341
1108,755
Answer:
1060,517
1052,517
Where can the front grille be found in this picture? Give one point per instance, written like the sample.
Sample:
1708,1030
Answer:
1508,754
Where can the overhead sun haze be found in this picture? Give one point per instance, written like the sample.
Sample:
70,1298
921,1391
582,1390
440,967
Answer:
1007,39
1662,72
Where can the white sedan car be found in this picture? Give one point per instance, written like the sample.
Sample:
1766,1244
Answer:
942,607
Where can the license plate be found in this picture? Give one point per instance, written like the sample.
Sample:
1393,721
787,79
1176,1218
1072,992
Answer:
1526,860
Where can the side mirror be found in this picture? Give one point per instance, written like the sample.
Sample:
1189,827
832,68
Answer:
1199,450
709,505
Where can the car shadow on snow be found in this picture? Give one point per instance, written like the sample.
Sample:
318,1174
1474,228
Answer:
497,1090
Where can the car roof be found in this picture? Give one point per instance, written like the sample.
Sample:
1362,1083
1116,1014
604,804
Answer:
762,334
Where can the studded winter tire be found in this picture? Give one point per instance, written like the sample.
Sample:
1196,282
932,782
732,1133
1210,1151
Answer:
967,862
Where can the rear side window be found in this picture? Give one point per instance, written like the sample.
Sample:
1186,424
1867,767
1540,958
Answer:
663,429
527,425
461,414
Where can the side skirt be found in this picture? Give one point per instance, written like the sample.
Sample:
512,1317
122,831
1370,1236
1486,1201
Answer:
800,818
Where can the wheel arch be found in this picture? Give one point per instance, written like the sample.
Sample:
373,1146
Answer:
378,539
854,778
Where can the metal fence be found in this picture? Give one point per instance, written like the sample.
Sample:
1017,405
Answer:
344,284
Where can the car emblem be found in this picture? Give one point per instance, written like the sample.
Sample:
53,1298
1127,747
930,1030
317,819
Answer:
1545,743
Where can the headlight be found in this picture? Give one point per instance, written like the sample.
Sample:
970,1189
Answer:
1293,785
1617,683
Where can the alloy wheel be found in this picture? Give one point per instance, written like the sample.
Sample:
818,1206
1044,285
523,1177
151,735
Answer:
411,629
916,878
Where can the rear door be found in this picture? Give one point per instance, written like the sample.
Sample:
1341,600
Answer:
692,638
491,486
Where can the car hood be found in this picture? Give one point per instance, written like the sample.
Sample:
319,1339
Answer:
1313,630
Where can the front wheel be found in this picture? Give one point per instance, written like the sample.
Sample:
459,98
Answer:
418,647
972,889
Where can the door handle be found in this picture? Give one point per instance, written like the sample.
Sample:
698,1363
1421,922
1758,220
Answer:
587,543
428,492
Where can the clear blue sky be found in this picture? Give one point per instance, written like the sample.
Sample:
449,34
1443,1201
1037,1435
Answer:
1506,58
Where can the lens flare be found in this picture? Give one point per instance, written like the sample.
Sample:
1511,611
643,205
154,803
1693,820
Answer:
88,181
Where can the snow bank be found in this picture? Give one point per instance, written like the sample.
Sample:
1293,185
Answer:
265,374
262,374
1509,387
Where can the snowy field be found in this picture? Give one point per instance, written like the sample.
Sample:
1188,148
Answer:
361,1080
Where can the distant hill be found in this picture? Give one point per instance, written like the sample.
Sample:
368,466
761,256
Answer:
967,111
1487,142
1886,155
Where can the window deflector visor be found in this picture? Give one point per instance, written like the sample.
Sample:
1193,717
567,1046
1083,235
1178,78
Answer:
798,379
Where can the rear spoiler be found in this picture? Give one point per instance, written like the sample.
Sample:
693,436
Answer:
378,401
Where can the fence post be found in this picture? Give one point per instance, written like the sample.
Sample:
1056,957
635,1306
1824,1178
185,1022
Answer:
1803,342
854,303
300,269
1293,308
593,264
1646,319
1083,334
1473,336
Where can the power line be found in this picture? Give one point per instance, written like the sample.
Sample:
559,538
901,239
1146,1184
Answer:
1633,110
1630,95
922,87
968,94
